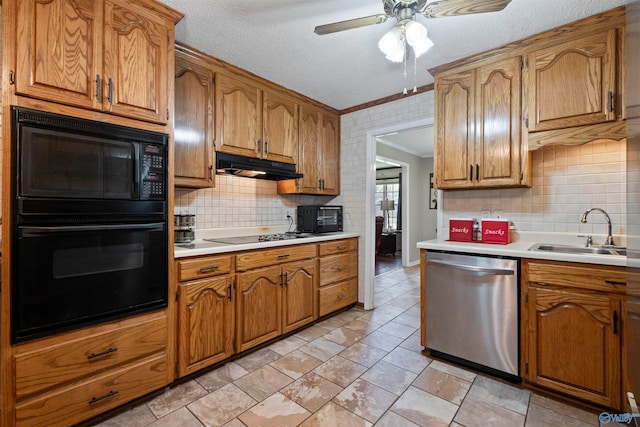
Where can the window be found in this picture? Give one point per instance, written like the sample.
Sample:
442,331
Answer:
388,191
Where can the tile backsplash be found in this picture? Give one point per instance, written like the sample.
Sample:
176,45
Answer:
567,180
240,202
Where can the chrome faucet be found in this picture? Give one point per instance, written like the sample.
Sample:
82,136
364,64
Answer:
583,220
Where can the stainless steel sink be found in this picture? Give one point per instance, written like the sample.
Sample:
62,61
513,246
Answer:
569,249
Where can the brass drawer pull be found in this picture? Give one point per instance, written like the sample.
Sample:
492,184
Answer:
615,282
341,268
208,269
341,296
283,256
105,396
341,247
102,353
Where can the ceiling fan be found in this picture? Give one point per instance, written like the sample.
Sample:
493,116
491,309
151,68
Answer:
405,10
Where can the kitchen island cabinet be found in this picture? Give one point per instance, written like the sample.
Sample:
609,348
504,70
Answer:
121,55
571,329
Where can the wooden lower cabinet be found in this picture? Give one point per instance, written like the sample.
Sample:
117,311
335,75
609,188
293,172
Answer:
571,330
338,271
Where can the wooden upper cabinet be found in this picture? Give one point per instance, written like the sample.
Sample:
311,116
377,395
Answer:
193,126
280,127
255,122
318,154
573,83
478,133
103,55
51,32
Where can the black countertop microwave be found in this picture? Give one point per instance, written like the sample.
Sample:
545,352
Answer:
319,219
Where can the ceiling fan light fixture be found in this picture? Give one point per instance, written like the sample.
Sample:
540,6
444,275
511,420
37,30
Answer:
415,32
389,42
422,46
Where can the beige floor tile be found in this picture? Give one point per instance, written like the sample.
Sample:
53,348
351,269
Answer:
398,330
502,394
340,371
344,336
404,301
175,398
275,411
182,417
475,412
350,315
221,376
311,333
391,419
453,370
381,340
381,317
322,349
363,354
234,423
136,417
539,416
413,343
443,385
263,382
258,359
221,406
362,325
332,323
296,364
365,400
407,359
563,408
389,377
287,345
332,415
311,391
424,408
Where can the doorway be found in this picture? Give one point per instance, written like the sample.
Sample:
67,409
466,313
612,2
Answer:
389,207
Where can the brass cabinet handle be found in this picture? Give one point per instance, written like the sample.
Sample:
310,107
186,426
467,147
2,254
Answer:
341,268
99,398
283,256
340,296
208,269
102,353
110,92
98,88
341,247
615,282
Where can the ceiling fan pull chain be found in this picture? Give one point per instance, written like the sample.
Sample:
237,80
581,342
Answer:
415,73
404,73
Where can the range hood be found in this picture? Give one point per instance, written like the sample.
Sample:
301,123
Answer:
249,167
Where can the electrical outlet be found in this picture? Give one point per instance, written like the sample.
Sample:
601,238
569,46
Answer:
288,214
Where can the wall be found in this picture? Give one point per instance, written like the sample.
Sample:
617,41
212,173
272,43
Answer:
421,218
354,168
240,202
566,182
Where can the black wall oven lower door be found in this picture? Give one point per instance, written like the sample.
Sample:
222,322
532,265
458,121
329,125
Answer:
67,276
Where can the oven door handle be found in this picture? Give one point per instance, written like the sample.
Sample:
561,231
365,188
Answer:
474,269
32,231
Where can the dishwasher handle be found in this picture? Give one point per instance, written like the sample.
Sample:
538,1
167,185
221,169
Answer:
474,268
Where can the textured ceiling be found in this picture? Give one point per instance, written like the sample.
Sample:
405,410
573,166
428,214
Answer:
275,39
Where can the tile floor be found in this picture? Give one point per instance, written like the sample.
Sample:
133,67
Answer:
357,368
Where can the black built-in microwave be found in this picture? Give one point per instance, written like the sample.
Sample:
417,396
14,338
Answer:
319,219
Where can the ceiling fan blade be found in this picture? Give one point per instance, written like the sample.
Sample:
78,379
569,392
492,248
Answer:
445,8
350,24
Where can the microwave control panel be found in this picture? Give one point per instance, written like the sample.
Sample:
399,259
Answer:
152,180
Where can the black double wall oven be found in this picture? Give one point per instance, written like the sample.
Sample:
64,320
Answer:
89,236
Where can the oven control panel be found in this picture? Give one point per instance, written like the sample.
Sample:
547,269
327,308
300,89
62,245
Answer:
152,167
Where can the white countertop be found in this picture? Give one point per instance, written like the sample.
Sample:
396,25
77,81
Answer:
201,247
522,241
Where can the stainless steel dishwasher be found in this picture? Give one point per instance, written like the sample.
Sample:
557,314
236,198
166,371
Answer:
472,314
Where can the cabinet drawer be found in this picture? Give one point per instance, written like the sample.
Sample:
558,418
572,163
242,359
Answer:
83,400
575,275
337,246
337,296
58,364
203,267
248,260
335,268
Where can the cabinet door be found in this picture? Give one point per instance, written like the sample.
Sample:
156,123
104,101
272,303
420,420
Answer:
298,298
497,145
455,132
206,323
575,344
573,84
60,53
238,117
329,156
136,44
310,140
280,127
193,128
259,308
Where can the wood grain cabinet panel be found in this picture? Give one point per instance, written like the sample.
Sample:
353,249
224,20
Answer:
336,296
193,126
338,275
206,323
206,266
262,258
120,56
572,330
478,132
573,83
299,294
279,127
